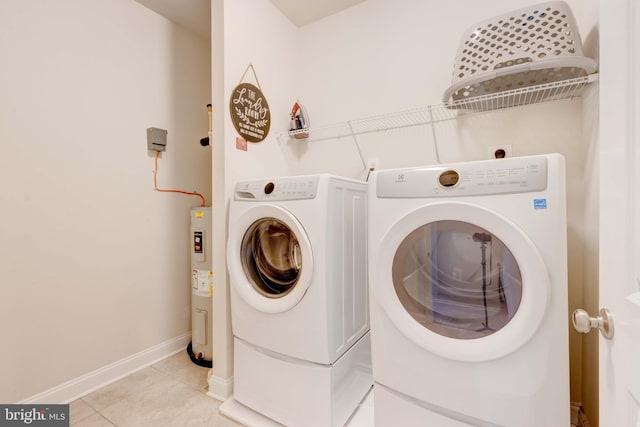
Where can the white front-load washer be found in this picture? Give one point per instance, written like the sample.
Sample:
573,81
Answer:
297,264
468,282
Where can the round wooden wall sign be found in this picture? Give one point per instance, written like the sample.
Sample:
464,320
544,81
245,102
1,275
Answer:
250,112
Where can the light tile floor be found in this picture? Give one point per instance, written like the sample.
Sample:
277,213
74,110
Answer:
169,393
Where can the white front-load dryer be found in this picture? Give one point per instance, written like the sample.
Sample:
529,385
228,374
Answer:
297,264
468,282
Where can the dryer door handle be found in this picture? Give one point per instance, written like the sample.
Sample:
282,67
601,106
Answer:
583,323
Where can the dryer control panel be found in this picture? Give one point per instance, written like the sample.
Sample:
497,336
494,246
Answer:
285,188
502,176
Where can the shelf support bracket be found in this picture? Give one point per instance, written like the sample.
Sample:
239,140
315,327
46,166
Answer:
353,135
433,133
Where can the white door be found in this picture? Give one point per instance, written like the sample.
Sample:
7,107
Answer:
619,357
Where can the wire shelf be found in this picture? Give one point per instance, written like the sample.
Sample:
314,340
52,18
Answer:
448,111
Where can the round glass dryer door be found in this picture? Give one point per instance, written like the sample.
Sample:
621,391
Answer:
457,279
271,257
461,281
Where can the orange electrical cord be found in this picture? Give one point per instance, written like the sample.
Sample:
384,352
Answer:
155,185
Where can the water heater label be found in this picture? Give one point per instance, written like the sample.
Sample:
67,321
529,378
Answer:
201,282
197,242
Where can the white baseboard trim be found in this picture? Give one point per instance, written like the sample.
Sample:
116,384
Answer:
220,388
78,387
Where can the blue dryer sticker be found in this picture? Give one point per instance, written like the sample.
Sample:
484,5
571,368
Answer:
539,203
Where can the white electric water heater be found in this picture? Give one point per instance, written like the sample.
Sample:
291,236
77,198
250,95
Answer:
201,349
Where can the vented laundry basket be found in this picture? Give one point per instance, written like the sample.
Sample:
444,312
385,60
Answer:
532,46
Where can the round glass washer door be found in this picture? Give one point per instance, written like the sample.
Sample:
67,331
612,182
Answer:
269,259
461,281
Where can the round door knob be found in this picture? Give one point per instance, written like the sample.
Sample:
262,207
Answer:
583,323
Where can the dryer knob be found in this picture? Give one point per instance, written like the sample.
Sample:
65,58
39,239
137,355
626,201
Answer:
268,189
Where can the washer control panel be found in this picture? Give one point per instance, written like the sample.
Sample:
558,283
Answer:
285,188
502,176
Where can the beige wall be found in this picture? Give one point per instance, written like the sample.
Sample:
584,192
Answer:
94,264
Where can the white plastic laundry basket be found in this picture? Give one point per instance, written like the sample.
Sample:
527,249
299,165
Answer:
531,46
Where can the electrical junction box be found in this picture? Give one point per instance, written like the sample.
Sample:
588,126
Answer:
156,139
